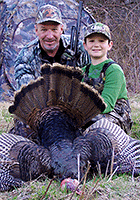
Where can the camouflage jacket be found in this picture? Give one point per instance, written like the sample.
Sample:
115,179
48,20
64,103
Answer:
29,60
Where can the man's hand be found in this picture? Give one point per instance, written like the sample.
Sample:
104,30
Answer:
68,57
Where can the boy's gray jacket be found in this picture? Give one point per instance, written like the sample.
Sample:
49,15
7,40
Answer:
28,62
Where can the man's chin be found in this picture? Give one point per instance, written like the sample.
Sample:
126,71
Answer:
50,48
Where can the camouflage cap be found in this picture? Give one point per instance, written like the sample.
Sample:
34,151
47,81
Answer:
48,13
98,28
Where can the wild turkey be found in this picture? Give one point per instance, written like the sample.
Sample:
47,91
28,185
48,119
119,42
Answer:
56,106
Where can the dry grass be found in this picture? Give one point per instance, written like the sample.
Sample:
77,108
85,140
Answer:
119,187
135,107
6,121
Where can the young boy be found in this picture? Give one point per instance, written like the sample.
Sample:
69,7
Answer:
106,76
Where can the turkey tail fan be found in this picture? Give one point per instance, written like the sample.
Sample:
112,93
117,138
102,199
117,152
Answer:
90,103
61,78
29,98
46,71
67,91
59,86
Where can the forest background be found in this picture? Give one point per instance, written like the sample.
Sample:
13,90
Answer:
123,18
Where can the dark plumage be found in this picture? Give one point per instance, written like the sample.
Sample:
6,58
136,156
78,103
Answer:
56,106
126,149
55,122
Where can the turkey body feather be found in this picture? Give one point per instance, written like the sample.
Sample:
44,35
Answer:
56,106
21,160
54,126
126,149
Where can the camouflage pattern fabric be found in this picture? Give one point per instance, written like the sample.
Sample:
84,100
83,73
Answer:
48,13
29,60
17,29
120,115
98,28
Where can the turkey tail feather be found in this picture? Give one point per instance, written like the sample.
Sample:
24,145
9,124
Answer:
28,98
59,86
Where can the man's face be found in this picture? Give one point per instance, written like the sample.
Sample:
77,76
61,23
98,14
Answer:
49,34
97,46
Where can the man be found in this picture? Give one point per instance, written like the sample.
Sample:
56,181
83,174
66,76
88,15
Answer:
50,46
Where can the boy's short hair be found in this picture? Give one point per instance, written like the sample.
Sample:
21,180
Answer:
97,27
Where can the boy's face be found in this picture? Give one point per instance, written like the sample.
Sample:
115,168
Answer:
97,45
